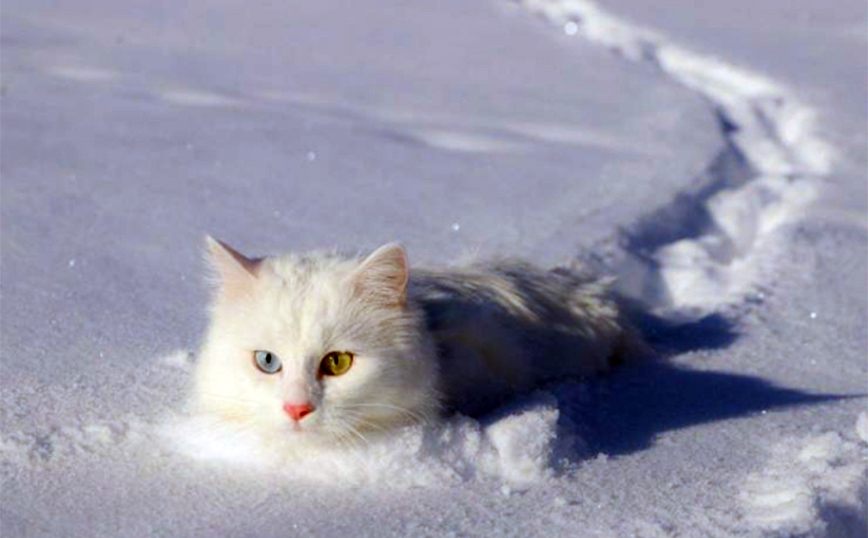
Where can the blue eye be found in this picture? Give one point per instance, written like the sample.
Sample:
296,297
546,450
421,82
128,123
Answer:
266,361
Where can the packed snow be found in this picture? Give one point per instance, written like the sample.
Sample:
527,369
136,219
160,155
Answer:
808,485
701,153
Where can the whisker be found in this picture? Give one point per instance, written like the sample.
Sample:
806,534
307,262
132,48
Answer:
344,439
419,417
360,419
355,432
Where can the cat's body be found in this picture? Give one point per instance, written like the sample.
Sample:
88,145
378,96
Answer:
505,327
325,346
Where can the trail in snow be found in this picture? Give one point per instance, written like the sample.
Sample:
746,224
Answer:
811,486
710,247
715,243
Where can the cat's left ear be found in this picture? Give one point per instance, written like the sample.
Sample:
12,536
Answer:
384,275
234,270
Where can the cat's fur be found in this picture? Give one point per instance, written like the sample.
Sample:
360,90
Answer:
424,341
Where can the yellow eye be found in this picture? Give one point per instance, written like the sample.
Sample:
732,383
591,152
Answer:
336,363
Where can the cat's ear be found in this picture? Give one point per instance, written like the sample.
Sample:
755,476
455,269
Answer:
234,270
383,275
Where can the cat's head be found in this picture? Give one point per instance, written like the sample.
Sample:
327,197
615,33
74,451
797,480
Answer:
316,345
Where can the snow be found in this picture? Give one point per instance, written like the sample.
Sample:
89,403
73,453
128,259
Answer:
804,483
712,155
515,450
862,427
770,130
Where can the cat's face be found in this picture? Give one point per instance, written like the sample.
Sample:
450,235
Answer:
315,346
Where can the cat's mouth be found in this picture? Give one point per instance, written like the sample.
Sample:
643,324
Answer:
302,429
303,434
295,427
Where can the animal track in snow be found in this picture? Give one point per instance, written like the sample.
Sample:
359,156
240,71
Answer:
46,445
807,482
710,248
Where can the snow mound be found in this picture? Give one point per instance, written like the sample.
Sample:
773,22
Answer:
515,450
862,427
808,485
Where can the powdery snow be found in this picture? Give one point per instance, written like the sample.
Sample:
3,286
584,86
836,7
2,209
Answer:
463,129
808,486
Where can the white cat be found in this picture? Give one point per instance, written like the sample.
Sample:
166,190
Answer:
322,346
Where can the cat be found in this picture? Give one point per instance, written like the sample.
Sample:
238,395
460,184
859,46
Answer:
323,346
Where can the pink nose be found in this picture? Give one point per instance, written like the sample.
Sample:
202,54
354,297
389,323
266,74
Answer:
298,411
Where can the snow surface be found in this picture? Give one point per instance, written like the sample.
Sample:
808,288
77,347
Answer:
712,155
769,130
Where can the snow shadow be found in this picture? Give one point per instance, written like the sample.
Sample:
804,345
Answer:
687,216
625,412
845,521
713,331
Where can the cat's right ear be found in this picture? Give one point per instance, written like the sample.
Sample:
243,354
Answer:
234,271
